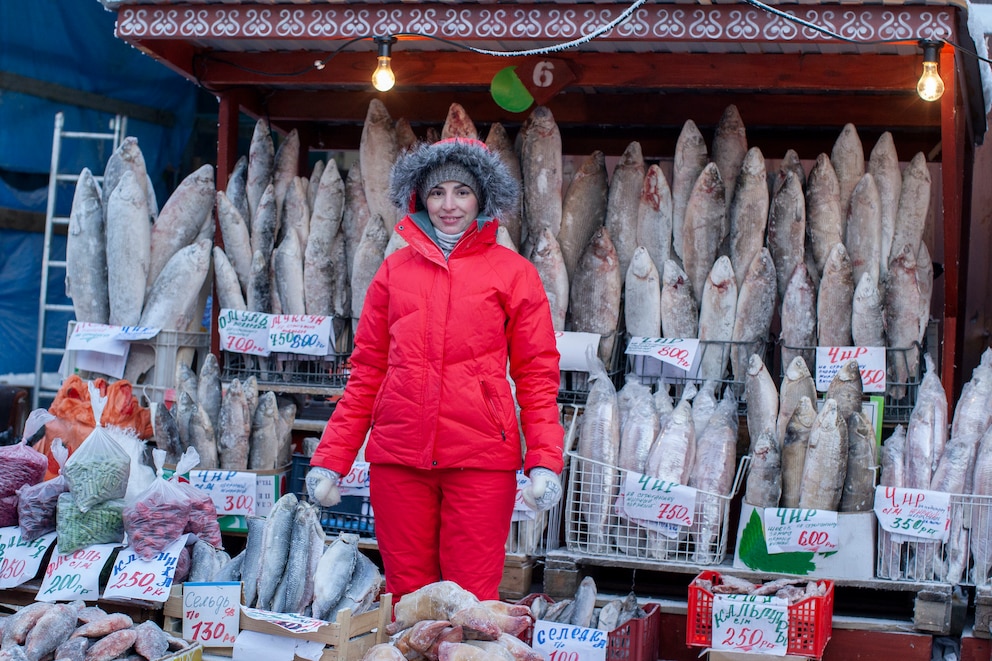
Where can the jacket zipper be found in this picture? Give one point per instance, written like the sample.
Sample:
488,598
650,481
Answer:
492,408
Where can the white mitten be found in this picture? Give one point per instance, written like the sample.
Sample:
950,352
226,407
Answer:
322,486
544,490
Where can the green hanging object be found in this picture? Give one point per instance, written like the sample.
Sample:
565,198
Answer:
508,92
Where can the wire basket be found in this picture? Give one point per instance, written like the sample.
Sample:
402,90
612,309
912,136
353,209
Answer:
604,531
574,385
964,559
649,371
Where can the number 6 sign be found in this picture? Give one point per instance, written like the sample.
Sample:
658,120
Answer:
544,77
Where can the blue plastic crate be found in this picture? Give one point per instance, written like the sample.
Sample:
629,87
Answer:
353,514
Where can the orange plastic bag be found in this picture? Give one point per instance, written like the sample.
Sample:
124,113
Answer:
74,421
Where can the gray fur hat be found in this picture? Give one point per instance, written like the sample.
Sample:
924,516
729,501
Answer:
418,170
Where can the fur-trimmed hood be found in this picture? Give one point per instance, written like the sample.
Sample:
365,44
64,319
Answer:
498,191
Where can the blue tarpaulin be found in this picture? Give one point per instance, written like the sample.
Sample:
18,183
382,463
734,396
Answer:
70,44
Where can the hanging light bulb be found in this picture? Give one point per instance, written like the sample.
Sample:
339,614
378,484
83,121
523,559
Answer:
383,78
930,87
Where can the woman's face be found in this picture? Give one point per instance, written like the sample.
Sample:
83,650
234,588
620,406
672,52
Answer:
452,206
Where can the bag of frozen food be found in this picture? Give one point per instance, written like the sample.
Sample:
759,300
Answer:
159,515
101,523
97,471
37,503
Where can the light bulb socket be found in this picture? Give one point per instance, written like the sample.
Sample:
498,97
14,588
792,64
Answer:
931,48
385,45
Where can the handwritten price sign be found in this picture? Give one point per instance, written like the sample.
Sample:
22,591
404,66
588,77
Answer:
914,512
356,482
750,624
566,642
800,530
678,352
521,510
300,333
19,559
233,492
871,362
76,575
211,613
288,621
134,578
650,499
244,332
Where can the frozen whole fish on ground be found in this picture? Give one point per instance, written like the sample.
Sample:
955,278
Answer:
642,296
826,461
623,201
680,318
717,314
795,444
583,209
690,159
798,336
86,253
599,440
595,293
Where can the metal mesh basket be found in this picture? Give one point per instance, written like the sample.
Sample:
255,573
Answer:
574,386
649,371
600,529
964,559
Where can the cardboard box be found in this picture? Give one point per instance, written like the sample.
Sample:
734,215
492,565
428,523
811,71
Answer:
854,558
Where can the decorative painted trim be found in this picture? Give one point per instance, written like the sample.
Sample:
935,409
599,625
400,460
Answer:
734,23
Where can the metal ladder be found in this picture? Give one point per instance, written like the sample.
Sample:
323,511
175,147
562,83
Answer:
117,131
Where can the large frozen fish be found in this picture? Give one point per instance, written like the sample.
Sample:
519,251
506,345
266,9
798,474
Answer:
798,336
654,216
458,124
846,389
834,299
859,483
729,148
973,412
128,250
296,212
368,259
797,382
235,428
209,393
717,313
867,322
787,229
848,159
824,222
863,238
981,515
748,215
297,576
893,474
287,267
182,217
623,201
499,143
258,297
713,474
826,461
165,432
905,319
599,440
932,389
237,239
275,548
680,317
325,226
548,259
202,437
229,293
377,152
261,164
86,253
356,214
672,456
595,293
541,173
173,308
790,163
762,399
704,404
128,158
883,164
642,296
362,589
334,573
764,481
584,208
690,159
703,227
639,426
264,225
263,441
755,309
795,443
914,205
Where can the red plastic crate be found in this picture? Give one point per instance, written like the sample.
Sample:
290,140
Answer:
810,620
638,639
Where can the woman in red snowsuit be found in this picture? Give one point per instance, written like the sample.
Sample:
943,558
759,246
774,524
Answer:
443,320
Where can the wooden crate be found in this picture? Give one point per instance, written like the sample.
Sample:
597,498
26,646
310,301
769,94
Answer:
518,575
346,639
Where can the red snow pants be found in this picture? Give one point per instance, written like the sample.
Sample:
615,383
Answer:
448,524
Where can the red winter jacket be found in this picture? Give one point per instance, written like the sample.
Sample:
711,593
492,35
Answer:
429,367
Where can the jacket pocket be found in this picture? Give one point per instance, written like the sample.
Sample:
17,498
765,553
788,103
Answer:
494,407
